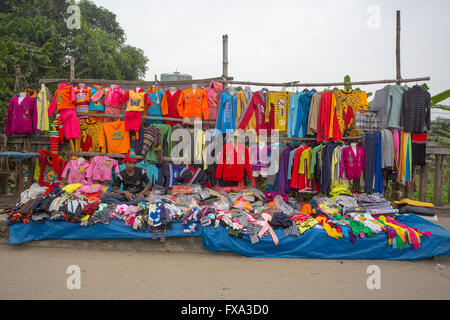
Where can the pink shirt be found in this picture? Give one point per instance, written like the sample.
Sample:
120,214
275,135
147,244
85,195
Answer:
113,97
89,189
351,163
77,171
101,169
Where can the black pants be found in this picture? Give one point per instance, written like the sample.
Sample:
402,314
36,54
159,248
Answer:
327,154
370,149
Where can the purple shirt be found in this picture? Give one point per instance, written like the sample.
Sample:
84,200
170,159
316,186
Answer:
283,184
21,118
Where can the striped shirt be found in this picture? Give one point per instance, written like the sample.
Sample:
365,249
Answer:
416,112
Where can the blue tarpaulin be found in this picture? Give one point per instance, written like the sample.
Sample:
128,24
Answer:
316,244
21,232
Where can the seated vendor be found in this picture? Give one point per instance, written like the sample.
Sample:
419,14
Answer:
133,180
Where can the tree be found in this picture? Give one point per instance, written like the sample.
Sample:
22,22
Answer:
35,40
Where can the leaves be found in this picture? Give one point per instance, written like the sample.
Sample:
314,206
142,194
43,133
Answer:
34,39
440,97
347,79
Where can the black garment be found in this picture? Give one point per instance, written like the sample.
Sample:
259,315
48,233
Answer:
416,112
137,143
193,176
317,170
169,174
280,220
326,166
133,184
423,211
370,148
419,149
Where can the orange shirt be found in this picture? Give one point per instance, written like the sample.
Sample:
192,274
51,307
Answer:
115,137
193,104
64,98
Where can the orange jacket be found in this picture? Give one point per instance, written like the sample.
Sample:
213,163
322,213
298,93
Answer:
64,98
115,137
193,104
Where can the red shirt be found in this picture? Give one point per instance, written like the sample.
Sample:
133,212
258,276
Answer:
299,180
47,174
233,163
258,107
169,106
326,109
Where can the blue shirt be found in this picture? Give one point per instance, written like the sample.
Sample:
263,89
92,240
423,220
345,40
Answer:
293,112
155,110
226,117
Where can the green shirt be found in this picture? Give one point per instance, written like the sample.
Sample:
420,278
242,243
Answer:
313,157
394,104
166,132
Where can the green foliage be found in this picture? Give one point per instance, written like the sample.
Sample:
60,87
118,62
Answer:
347,79
440,97
35,41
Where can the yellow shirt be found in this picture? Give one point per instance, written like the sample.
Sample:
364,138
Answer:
306,156
241,105
279,100
349,98
414,203
136,101
42,105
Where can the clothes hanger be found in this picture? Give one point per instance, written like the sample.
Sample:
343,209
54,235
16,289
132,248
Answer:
305,90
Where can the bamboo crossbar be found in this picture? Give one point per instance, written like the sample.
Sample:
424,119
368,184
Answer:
129,83
121,116
110,155
326,84
234,82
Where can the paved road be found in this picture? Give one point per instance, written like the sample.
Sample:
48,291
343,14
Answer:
40,273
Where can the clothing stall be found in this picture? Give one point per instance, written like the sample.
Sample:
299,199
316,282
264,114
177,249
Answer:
311,186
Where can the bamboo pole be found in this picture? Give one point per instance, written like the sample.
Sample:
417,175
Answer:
423,183
128,82
438,180
325,84
225,56
236,82
72,68
397,51
121,116
111,155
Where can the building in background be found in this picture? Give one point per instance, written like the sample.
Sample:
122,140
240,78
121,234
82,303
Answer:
175,76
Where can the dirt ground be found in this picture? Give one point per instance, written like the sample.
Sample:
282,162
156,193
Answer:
40,273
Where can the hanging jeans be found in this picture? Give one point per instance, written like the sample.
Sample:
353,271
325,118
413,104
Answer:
370,149
378,188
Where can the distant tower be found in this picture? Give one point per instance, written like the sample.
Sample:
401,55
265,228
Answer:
175,76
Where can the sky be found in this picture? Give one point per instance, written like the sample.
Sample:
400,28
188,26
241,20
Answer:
291,40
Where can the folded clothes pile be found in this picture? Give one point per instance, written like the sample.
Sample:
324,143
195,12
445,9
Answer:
419,208
375,203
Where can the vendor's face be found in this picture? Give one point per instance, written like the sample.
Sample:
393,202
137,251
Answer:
130,165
